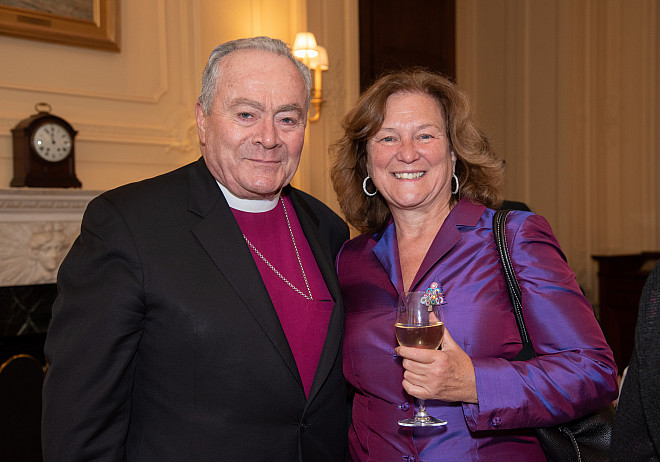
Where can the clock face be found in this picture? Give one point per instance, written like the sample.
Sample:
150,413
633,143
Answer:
52,142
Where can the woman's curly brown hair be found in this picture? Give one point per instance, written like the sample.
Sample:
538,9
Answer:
479,171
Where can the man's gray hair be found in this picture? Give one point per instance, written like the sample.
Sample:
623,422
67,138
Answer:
212,70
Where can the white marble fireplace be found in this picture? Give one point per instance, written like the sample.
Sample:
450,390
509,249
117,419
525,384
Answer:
37,228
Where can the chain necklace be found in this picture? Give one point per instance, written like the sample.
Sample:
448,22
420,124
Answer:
295,247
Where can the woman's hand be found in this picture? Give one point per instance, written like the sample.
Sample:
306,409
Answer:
446,374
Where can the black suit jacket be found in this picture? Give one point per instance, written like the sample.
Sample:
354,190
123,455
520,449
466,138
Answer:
164,344
636,429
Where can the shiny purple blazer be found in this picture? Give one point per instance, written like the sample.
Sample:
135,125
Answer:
573,374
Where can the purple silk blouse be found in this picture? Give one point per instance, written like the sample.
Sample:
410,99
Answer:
573,374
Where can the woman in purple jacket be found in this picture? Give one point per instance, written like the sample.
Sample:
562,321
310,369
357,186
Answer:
416,176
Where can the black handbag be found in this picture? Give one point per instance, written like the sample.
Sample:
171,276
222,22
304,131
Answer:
585,439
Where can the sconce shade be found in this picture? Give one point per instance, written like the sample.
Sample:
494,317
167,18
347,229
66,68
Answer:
315,57
305,46
321,61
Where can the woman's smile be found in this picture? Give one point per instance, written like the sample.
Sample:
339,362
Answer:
409,175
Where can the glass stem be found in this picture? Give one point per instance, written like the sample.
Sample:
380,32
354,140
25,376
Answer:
422,415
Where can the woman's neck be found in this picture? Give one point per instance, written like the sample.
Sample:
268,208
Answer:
415,232
419,224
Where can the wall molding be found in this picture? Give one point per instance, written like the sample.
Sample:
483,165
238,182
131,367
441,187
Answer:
152,98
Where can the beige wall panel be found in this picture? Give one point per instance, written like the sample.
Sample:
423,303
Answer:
625,146
225,20
335,25
567,92
540,109
654,168
573,148
222,21
133,109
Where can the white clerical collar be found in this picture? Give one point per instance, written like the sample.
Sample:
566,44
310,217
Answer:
249,205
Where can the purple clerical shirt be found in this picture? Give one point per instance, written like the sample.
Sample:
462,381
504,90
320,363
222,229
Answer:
573,374
305,322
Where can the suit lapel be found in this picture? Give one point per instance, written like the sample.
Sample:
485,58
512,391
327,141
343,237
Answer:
220,236
320,249
448,235
465,213
386,249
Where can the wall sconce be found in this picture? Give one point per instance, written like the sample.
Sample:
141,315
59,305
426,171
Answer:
315,57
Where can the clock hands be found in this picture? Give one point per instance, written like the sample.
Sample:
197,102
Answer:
51,133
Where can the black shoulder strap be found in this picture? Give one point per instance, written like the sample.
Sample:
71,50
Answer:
499,231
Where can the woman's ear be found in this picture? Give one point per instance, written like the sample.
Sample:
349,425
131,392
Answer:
367,163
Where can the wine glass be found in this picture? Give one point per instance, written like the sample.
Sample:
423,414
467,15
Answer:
419,324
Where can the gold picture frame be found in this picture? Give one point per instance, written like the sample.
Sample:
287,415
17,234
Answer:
102,32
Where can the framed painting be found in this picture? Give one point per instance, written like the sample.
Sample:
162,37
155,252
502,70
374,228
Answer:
85,23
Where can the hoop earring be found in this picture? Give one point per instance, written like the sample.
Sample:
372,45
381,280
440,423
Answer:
364,188
455,191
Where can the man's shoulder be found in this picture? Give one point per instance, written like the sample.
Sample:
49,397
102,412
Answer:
332,226
158,184
360,245
324,213
156,197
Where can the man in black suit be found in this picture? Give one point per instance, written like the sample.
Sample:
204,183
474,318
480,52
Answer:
199,315
636,429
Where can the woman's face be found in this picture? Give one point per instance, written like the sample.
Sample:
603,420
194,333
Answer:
409,158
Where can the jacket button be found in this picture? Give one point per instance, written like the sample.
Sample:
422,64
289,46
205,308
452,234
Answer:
404,406
496,421
303,426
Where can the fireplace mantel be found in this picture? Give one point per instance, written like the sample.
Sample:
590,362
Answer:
37,228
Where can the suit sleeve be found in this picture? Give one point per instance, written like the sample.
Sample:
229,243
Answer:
574,372
339,237
636,429
92,342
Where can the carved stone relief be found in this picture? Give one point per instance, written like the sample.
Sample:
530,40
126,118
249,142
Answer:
37,229
31,253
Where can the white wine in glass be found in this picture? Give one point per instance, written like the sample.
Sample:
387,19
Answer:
419,324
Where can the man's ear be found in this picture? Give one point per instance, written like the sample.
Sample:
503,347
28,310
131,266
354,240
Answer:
201,123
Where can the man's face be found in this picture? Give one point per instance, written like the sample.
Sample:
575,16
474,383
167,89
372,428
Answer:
252,138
